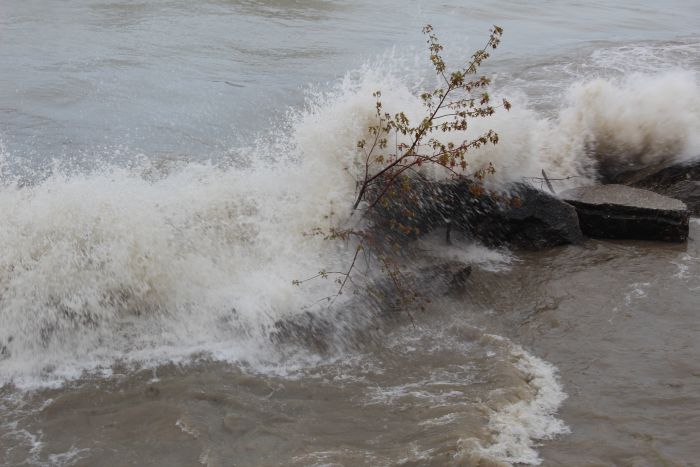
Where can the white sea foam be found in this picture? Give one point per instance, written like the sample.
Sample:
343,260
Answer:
97,265
645,57
516,428
638,120
470,252
683,263
154,264
613,124
638,291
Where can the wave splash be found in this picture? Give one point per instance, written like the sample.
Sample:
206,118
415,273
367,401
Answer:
122,263
100,265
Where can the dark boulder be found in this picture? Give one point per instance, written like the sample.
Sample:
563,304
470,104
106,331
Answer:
622,212
687,191
521,216
658,176
678,181
524,217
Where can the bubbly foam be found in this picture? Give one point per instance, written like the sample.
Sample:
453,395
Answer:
106,263
160,262
638,121
517,427
603,126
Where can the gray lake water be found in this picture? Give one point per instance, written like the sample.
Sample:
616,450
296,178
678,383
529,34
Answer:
161,160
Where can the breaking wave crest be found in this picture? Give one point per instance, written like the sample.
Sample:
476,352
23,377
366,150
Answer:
604,125
116,263
516,427
98,265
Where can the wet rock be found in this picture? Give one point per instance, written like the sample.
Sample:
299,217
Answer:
680,181
425,283
525,218
442,278
522,217
358,319
308,329
622,212
687,191
658,176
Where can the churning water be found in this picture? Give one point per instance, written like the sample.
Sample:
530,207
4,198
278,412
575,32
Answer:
160,162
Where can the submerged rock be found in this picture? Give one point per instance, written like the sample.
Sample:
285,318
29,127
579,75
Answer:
680,181
358,320
622,212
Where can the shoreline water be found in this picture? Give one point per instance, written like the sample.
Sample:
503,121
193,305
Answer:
149,244
595,344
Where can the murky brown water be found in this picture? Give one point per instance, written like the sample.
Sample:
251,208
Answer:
414,401
618,319
621,322
138,286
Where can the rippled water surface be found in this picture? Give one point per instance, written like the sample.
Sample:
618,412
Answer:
160,161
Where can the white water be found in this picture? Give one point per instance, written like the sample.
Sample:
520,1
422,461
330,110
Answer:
517,427
101,265
165,257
